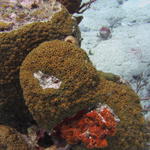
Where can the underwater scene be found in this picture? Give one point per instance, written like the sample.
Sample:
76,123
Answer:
74,74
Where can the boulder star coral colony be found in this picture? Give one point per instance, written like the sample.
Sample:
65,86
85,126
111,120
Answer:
15,44
58,89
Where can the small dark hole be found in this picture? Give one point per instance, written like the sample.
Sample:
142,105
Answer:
34,6
45,141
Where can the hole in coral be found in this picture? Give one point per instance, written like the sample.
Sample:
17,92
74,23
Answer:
34,6
45,141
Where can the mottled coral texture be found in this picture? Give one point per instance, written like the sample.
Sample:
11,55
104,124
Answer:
72,67
82,88
14,47
80,85
10,139
126,105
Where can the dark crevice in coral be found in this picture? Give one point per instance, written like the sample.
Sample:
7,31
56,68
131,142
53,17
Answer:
45,141
14,112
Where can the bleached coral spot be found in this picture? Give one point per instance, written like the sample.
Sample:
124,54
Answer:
47,81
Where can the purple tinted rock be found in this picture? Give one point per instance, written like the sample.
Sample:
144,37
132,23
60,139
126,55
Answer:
21,12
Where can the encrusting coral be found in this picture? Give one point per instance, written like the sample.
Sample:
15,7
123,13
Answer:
55,78
10,139
15,44
58,81
126,105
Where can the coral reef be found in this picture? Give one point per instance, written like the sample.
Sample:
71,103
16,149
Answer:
14,47
90,128
58,81
68,83
10,139
17,44
65,85
126,105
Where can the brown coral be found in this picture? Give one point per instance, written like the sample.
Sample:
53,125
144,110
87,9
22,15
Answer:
126,105
14,47
58,80
10,139
79,87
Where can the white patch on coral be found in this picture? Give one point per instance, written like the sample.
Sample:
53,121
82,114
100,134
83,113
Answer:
47,81
101,107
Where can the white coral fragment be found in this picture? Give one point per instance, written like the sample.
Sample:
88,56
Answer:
101,107
47,81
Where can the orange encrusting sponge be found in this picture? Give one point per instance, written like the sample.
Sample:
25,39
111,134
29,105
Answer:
90,128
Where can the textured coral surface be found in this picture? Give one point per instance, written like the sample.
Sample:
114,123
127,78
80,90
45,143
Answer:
10,139
57,78
14,47
126,105
71,66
